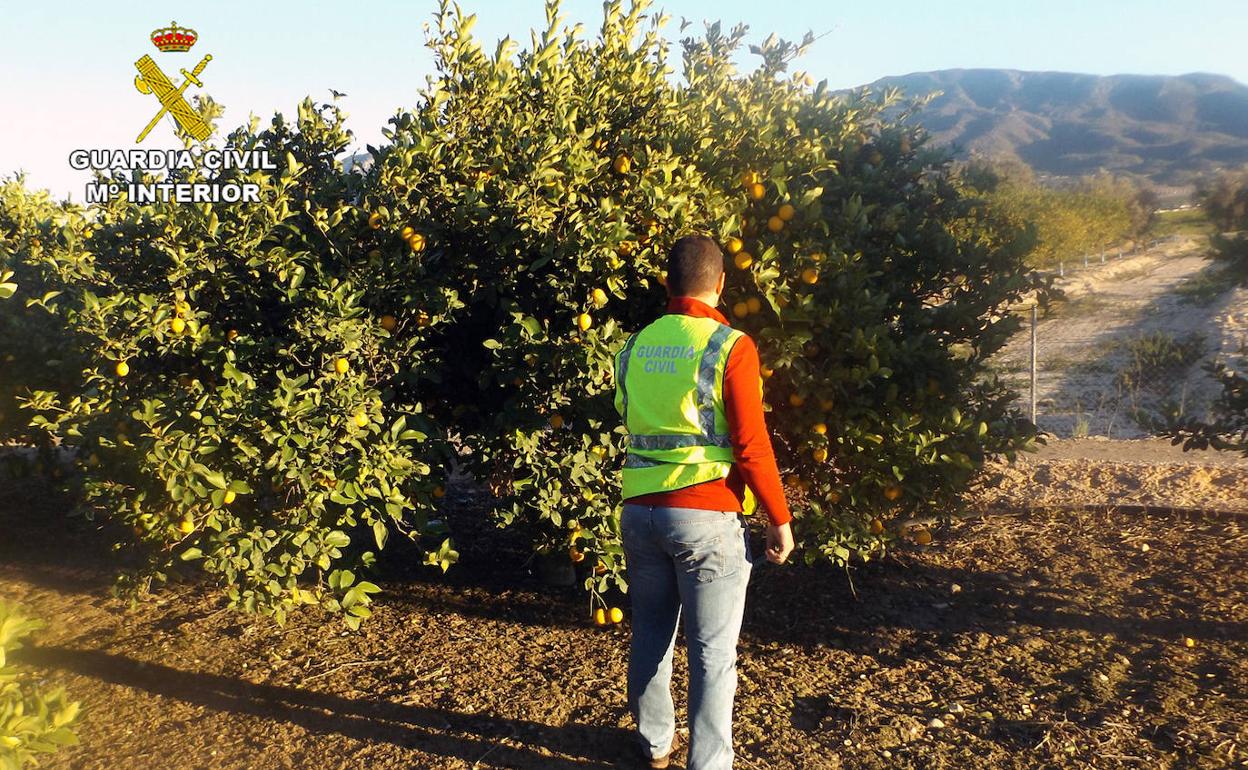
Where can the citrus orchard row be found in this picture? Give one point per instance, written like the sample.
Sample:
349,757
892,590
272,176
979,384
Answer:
320,358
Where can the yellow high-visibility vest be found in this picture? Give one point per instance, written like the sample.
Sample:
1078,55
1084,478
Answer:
669,388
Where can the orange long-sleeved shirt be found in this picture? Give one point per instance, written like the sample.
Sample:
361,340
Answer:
751,446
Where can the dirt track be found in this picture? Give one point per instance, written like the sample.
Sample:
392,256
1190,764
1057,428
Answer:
1081,346
1039,641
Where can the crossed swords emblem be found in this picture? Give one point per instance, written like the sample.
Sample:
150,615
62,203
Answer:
151,80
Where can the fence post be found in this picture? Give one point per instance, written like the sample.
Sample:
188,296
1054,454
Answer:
1033,364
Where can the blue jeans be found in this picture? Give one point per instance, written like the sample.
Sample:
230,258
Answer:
696,561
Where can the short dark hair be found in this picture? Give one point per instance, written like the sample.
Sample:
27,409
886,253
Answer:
694,266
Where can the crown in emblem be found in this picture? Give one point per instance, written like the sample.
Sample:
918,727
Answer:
174,38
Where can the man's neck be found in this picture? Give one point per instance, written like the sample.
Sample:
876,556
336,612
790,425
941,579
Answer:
710,300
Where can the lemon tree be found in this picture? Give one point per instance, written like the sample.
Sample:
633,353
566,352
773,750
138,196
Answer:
244,405
549,181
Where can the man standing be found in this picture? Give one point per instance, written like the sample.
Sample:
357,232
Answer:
689,390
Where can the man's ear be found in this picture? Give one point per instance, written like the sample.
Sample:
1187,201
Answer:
723,281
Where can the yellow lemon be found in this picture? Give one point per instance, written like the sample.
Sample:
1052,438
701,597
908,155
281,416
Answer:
623,164
749,178
599,297
775,224
757,191
892,492
584,321
616,614
342,365
755,304
374,220
229,496
923,536
820,454
389,322
407,232
556,421
733,245
600,616
416,242
877,527
820,428
743,260
231,335
186,526
361,419
786,212
810,275
740,310
796,399
766,371
122,368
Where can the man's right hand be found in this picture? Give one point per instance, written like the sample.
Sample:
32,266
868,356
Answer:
779,543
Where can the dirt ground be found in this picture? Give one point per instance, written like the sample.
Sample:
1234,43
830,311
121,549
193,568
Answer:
1037,640
1103,472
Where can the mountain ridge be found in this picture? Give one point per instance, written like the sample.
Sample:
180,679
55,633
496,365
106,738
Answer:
1167,129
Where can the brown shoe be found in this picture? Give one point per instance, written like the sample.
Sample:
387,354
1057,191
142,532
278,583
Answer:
663,762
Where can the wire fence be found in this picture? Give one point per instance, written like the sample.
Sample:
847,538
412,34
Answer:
1131,349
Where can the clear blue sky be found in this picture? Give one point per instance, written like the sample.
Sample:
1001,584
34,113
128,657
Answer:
68,67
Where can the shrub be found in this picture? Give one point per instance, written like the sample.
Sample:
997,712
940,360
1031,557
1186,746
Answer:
31,722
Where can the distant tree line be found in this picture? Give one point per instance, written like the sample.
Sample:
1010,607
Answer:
1092,214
